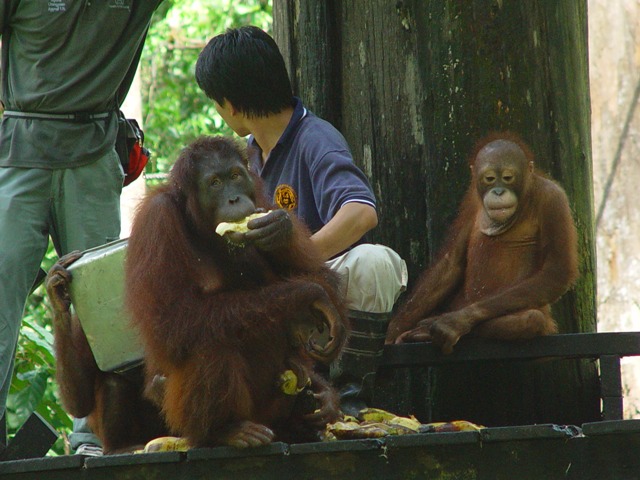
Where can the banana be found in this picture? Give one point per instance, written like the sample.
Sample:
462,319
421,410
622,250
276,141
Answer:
372,423
349,419
463,426
289,383
349,430
408,423
375,415
343,426
239,226
376,423
166,444
454,426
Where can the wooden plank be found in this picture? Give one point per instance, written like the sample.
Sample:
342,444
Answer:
526,453
573,345
611,387
33,440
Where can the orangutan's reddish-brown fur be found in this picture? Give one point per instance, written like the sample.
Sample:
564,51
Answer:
221,322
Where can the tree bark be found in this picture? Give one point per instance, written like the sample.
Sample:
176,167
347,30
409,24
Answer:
419,83
307,35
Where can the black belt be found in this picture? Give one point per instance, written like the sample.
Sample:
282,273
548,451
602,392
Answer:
66,117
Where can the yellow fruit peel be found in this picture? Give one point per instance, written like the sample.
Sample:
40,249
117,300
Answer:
239,226
375,415
453,426
166,444
289,383
376,423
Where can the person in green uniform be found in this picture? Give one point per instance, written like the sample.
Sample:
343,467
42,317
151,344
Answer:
66,64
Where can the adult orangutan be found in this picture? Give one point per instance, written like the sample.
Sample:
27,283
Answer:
223,318
511,253
117,411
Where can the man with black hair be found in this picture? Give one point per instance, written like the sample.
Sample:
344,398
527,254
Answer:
307,168
66,64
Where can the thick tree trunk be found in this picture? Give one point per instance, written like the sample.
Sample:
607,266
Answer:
307,37
415,85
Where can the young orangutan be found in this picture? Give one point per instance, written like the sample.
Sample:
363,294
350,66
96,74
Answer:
512,252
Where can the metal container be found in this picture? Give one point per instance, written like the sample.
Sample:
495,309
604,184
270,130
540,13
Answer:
97,295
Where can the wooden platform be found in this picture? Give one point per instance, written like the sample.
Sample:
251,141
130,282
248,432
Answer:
608,348
606,449
599,451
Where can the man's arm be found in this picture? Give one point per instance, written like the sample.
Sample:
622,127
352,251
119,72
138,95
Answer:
347,226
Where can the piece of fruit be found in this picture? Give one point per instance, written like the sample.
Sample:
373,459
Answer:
239,226
166,444
375,415
376,423
350,430
290,385
454,426
409,423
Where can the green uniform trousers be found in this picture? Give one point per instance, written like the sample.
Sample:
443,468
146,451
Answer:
78,207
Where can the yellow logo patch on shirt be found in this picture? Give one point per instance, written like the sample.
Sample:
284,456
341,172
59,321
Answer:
285,197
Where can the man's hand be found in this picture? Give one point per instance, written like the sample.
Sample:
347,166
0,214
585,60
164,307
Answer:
270,232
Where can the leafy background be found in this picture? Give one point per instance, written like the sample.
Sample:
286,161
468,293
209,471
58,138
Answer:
175,112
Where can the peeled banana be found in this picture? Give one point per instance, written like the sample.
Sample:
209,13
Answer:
289,383
239,226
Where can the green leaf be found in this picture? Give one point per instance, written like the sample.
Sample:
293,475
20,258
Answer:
26,400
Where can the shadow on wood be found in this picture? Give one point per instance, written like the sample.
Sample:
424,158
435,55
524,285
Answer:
534,360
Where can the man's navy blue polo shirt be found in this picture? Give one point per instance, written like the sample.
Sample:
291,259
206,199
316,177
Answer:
310,171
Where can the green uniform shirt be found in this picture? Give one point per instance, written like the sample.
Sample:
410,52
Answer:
65,56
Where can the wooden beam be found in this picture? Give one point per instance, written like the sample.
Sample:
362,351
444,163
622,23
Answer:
33,440
611,387
572,345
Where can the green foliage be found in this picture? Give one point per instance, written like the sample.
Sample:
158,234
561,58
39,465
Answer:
175,113
175,110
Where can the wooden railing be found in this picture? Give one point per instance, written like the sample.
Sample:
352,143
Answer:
608,348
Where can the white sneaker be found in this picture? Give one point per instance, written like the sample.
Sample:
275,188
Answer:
89,450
